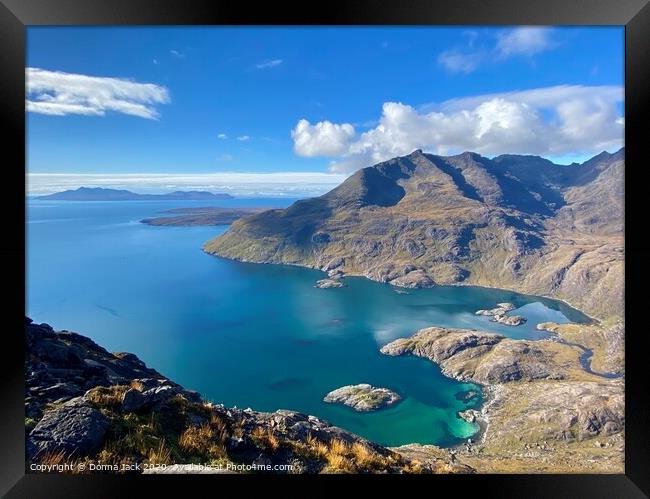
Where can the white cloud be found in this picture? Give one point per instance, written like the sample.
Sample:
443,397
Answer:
57,93
458,62
551,121
155,61
322,139
269,64
289,184
222,136
525,40
224,157
522,41
243,138
177,54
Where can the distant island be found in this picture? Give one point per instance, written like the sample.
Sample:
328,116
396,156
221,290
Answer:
207,215
102,194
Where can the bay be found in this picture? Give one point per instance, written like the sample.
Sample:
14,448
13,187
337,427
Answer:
253,335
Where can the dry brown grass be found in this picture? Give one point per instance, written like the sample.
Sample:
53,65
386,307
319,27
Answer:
266,437
338,457
272,440
258,433
364,456
319,448
160,454
339,464
196,439
107,396
220,428
136,384
339,447
217,422
416,468
204,441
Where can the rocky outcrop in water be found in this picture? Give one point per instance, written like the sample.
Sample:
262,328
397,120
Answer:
498,314
363,397
328,283
514,222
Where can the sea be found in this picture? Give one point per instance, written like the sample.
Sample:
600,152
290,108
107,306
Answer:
255,335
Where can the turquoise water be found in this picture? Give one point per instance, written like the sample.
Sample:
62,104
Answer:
251,335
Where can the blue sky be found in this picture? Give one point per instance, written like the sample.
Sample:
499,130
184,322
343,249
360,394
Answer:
211,100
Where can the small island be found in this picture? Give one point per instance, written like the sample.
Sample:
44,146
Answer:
103,194
498,314
363,397
201,216
328,283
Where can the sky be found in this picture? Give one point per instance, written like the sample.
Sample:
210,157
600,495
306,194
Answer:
156,108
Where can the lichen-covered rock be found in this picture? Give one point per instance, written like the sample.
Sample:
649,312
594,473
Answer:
363,397
74,428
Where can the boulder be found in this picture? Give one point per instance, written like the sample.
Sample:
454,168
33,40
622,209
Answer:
133,400
75,428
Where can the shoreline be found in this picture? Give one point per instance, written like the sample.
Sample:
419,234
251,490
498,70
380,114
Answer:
488,391
592,319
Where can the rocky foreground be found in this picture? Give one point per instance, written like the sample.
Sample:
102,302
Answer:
512,222
363,397
544,412
84,405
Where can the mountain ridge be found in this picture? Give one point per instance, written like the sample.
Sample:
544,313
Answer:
105,194
515,222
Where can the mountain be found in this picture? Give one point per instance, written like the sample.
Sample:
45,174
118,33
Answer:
102,194
516,222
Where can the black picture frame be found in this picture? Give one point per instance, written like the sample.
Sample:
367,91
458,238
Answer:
15,15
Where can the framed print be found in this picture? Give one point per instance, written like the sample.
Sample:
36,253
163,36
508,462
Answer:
373,241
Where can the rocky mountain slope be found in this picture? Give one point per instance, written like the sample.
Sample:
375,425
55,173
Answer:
515,222
86,407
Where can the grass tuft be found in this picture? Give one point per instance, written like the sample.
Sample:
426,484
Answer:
160,454
107,396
